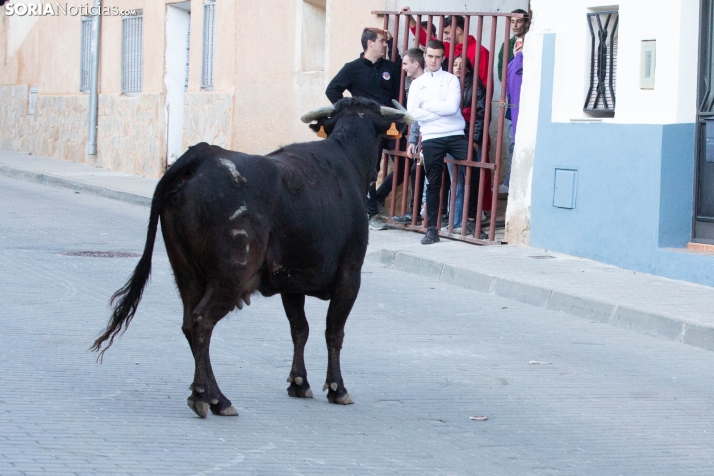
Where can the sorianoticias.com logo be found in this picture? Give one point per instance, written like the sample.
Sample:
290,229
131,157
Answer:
56,9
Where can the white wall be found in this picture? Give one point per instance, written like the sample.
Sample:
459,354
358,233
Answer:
673,24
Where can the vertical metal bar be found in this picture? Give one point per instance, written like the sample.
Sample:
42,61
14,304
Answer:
592,62
93,71
395,179
395,39
487,116
444,173
405,185
441,28
417,188
429,23
464,57
405,47
499,142
612,58
472,125
452,45
418,31
452,194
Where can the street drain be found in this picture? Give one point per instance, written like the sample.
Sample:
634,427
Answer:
541,257
100,254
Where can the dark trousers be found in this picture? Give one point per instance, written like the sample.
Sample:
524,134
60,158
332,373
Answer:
434,151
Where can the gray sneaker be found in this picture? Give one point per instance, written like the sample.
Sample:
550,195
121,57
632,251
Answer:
382,211
377,223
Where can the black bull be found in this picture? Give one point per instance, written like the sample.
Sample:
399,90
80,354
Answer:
293,222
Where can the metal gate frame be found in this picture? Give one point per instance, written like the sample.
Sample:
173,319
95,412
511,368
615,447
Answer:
470,163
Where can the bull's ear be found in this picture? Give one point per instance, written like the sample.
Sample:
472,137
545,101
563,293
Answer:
323,127
386,127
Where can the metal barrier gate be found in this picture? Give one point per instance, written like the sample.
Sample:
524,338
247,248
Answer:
488,172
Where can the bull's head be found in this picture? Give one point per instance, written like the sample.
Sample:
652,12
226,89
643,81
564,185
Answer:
385,119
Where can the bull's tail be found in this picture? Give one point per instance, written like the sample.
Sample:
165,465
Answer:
126,300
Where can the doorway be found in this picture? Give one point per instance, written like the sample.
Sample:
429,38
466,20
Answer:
178,19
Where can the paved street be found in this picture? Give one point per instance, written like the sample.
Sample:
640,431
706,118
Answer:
420,357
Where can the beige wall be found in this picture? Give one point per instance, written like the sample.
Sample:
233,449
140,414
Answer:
260,89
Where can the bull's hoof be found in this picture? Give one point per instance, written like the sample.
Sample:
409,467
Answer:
223,407
199,407
339,396
228,411
300,391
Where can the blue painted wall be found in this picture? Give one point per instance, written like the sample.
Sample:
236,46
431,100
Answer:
634,191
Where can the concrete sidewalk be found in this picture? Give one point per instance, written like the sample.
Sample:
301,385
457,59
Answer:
649,304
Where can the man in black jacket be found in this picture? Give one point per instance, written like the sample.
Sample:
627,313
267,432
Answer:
374,77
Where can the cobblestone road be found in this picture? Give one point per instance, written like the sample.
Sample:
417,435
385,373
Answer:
419,359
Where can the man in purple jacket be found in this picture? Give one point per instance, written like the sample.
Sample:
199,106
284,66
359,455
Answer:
513,92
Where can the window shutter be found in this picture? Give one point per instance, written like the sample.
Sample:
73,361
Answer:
209,10
131,54
85,71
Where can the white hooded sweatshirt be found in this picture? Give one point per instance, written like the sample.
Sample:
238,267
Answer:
439,93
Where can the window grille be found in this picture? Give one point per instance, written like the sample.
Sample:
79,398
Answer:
131,54
603,62
209,24
85,72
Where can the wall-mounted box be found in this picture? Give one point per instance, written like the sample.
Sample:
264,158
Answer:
32,101
647,64
564,193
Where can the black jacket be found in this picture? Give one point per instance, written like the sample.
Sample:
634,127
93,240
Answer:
377,81
480,106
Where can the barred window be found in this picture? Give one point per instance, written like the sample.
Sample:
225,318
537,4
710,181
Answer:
603,63
131,54
209,23
85,71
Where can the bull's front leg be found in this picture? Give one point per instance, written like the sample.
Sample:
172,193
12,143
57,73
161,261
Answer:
294,305
340,306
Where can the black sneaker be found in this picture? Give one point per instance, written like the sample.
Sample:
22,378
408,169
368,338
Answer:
432,236
406,218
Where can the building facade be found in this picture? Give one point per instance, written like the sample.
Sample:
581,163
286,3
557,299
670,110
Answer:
237,74
607,164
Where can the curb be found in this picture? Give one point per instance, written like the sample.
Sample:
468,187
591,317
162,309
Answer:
658,325
45,179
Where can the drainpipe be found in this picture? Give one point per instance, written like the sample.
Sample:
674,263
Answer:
94,82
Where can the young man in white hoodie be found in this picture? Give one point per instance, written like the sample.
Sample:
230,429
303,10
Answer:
435,101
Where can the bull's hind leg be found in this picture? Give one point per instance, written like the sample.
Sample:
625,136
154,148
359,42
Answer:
343,298
215,304
294,305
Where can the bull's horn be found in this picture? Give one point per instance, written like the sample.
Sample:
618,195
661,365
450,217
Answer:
390,111
318,113
398,105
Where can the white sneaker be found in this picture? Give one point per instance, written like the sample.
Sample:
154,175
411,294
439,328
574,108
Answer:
503,188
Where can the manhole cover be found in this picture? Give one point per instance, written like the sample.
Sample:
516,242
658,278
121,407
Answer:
541,257
101,254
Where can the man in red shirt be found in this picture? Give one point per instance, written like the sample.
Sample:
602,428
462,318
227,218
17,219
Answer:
454,28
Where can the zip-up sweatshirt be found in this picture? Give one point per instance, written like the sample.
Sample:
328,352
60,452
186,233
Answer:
439,93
